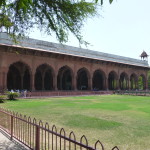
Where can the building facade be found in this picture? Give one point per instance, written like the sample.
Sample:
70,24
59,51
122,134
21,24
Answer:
38,65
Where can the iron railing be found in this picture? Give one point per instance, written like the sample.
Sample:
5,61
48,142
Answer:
39,136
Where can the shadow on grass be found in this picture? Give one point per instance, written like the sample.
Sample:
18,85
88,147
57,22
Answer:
83,121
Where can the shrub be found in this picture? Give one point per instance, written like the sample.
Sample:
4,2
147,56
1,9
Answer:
2,98
12,95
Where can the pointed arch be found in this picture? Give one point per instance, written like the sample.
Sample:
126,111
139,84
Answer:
133,81
44,77
124,81
19,76
112,80
64,78
142,82
83,76
99,78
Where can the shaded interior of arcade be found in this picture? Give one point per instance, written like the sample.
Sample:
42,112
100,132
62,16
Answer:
20,76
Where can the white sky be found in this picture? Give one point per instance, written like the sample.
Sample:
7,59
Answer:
123,29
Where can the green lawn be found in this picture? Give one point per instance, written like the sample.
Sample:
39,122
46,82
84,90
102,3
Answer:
114,120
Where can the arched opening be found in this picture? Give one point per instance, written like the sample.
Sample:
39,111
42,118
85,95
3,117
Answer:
18,77
141,82
133,82
82,79
48,80
26,80
123,81
44,77
38,80
98,80
112,81
64,78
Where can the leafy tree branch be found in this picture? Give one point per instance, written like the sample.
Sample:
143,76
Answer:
18,17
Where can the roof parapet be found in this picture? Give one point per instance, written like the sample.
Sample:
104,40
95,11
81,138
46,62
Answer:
69,50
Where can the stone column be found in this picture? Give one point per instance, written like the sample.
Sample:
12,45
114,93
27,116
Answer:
89,83
55,81
128,84
4,80
1,86
146,85
105,87
74,82
136,84
32,82
117,84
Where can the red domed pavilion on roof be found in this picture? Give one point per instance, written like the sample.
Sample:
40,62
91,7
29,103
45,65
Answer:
144,55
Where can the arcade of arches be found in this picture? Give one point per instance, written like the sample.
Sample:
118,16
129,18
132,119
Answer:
20,76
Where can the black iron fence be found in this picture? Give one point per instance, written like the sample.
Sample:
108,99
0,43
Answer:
39,136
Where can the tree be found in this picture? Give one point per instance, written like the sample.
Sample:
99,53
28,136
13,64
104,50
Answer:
5,22
141,83
51,16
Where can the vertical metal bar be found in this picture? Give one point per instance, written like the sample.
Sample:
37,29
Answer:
48,142
60,143
37,138
19,127
30,136
11,129
45,139
14,126
42,138
52,141
34,136
56,142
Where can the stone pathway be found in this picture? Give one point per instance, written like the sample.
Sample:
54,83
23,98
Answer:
7,144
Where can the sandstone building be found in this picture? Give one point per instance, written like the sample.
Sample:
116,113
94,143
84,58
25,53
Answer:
38,65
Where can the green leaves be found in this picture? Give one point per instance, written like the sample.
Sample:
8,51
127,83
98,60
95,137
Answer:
5,22
51,16
110,1
2,2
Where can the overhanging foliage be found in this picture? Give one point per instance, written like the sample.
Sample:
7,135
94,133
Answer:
18,17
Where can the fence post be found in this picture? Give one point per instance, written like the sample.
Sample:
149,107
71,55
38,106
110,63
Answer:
11,127
37,138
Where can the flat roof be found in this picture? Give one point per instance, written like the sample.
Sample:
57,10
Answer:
70,50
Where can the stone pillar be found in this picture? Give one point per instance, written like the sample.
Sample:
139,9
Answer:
1,83
105,87
146,85
128,84
4,80
55,83
117,84
32,82
136,84
89,83
74,82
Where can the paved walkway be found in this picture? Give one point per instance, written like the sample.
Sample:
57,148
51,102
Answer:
7,144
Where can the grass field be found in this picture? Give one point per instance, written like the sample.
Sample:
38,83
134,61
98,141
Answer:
114,120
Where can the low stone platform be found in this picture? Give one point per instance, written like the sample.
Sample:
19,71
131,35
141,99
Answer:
66,93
